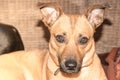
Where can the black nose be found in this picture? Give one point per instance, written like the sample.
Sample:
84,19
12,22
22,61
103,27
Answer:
70,64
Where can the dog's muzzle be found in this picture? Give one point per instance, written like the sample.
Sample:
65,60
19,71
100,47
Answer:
70,66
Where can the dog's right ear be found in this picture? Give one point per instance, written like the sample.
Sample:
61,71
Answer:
50,13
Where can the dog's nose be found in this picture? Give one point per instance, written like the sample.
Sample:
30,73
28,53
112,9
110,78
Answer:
71,64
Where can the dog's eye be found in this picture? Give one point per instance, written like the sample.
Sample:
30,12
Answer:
60,38
83,40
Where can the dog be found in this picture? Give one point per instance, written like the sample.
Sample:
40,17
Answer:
10,39
71,54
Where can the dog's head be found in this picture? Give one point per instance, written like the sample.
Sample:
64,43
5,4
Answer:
71,43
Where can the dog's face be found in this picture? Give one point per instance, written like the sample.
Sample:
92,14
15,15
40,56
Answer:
71,44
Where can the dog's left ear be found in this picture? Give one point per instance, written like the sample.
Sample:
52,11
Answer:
95,15
50,13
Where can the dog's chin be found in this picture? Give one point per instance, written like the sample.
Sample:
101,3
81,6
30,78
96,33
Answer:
70,71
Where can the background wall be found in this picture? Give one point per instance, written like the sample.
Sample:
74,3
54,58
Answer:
25,16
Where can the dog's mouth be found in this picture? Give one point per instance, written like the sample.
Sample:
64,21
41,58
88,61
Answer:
70,66
68,70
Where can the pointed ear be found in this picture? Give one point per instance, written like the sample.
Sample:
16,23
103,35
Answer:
50,13
95,15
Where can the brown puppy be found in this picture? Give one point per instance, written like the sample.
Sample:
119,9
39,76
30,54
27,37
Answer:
71,54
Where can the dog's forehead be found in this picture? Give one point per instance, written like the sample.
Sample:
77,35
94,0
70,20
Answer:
73,23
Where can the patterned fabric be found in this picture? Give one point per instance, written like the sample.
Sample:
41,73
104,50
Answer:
117,64
113,68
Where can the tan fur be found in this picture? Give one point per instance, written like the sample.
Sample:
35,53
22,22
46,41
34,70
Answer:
43,64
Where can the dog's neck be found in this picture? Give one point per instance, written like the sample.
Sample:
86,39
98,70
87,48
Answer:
51,67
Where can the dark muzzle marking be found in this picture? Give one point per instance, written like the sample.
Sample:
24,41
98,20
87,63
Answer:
70,66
